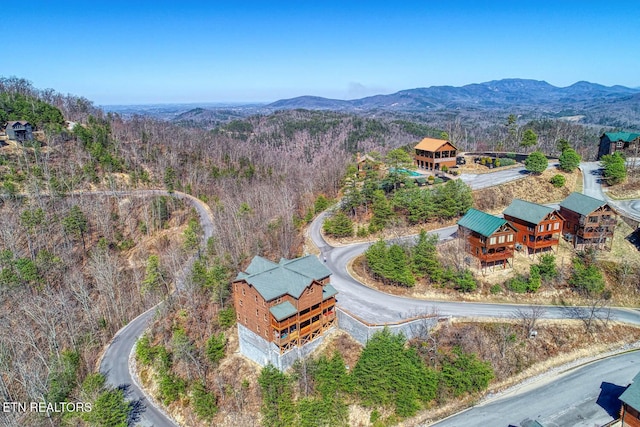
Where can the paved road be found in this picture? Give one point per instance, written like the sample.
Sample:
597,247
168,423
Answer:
484,180
378,308
583,397
115,361
371,305
592,176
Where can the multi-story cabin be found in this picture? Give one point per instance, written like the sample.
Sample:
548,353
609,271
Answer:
19,130
539,227
289,303
630,398
626,142
433,154
488,238
587,221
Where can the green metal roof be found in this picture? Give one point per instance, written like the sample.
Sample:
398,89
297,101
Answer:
328,291
631,396
622,136
291,277
584,205
481,222
527,211
283,310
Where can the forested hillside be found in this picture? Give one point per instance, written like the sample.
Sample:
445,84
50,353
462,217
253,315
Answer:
76,266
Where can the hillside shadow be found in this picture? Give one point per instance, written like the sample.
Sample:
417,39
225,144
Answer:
609,398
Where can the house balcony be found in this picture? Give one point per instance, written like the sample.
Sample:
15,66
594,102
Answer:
542,242
295,335
500,254
595,234
601,222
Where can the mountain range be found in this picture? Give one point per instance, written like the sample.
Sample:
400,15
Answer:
589,103
497,94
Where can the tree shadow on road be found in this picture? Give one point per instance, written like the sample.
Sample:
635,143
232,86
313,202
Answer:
137,407
609,398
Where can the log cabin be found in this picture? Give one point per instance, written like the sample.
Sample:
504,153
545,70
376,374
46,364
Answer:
289,303
588,222
433,154
539,227
487,237
626,142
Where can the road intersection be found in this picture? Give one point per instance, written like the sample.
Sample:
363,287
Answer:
369,304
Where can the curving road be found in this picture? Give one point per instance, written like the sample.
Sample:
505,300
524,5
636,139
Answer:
115,361
369,304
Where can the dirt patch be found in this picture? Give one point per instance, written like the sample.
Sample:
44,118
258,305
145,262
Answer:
630,189
533,188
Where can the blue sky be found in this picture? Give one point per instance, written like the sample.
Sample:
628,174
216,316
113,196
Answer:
137,52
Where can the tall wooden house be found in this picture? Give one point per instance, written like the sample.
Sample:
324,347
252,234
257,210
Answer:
19,130
433,154
588,221
625,142
539,227
289,303
488,238
630,398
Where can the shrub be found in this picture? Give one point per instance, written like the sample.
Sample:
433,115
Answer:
558,180
144,350
536,162
569,160
547,267
203,401
227,317
465,373
497,163
495,289
517,284
339,226
507,162
464,281
511,156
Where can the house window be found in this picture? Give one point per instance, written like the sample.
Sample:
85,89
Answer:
243,293
556,226
240,301
265,317
593,219
619,144
501,239
524,239
257,313
266,334
492,241
258,328
548,227
255,298
541,227
510,238
477,251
